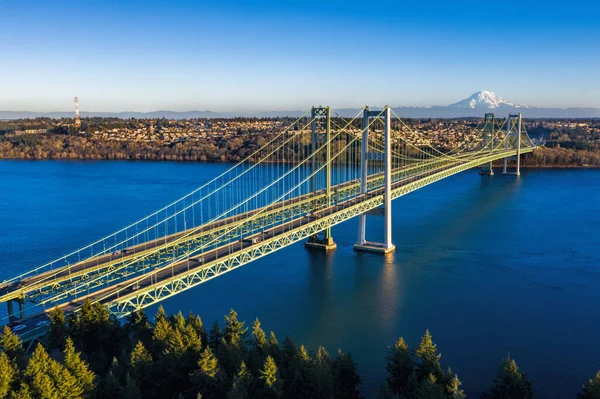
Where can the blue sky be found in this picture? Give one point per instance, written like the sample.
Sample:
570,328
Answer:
276,55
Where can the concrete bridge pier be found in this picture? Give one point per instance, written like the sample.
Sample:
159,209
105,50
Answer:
11,314
362,244
486,170
324,244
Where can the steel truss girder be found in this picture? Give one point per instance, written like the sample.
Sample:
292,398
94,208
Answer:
96,277
85,282
141,299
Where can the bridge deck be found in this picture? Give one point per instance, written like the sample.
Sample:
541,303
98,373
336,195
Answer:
71,273
36,324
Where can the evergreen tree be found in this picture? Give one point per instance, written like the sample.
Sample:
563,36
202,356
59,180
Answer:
208,363
117,369
109,387
234,329
345,377
78,368
323,377
386,392
161,334
58,328
160,315
510,383
288,353
94,331
37,375
87,316
140,366
11,344
260,347
303,355
140,357
191,339
214,336
400,367
174,343
66,384
273,339
413,386
230,355
592,389
271,385
74,326
453,389
242,382
178,321
8,374
49,379
23,392
139,326
303,381
258,336
196,323
137,320
162,330
274,349
431,389
101,313
447,377
205,378
430,359
131,389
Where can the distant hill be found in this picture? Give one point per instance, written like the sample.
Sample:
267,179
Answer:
473,106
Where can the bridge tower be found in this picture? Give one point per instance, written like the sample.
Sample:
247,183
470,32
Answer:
362,244
513,138
326,242
489,125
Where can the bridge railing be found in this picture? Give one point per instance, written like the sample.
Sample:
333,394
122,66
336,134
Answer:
191,210
287,168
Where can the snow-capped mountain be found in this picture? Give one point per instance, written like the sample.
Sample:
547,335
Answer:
485,99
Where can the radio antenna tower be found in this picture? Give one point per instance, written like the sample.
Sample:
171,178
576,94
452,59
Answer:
77,119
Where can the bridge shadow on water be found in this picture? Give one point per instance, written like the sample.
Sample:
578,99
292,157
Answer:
450,223
355,297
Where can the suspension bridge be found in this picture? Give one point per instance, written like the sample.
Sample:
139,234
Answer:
317,172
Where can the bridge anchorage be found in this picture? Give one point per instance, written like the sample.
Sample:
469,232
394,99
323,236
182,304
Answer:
315,173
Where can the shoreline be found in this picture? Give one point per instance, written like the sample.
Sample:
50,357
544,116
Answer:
234,162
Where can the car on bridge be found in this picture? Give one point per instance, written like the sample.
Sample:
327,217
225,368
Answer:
18,327
251,240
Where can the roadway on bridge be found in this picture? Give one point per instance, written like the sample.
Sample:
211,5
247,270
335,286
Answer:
130,287
71,274
33,325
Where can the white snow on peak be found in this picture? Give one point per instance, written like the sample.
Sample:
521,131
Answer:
485,99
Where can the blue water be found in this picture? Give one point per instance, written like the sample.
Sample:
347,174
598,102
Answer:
490,266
